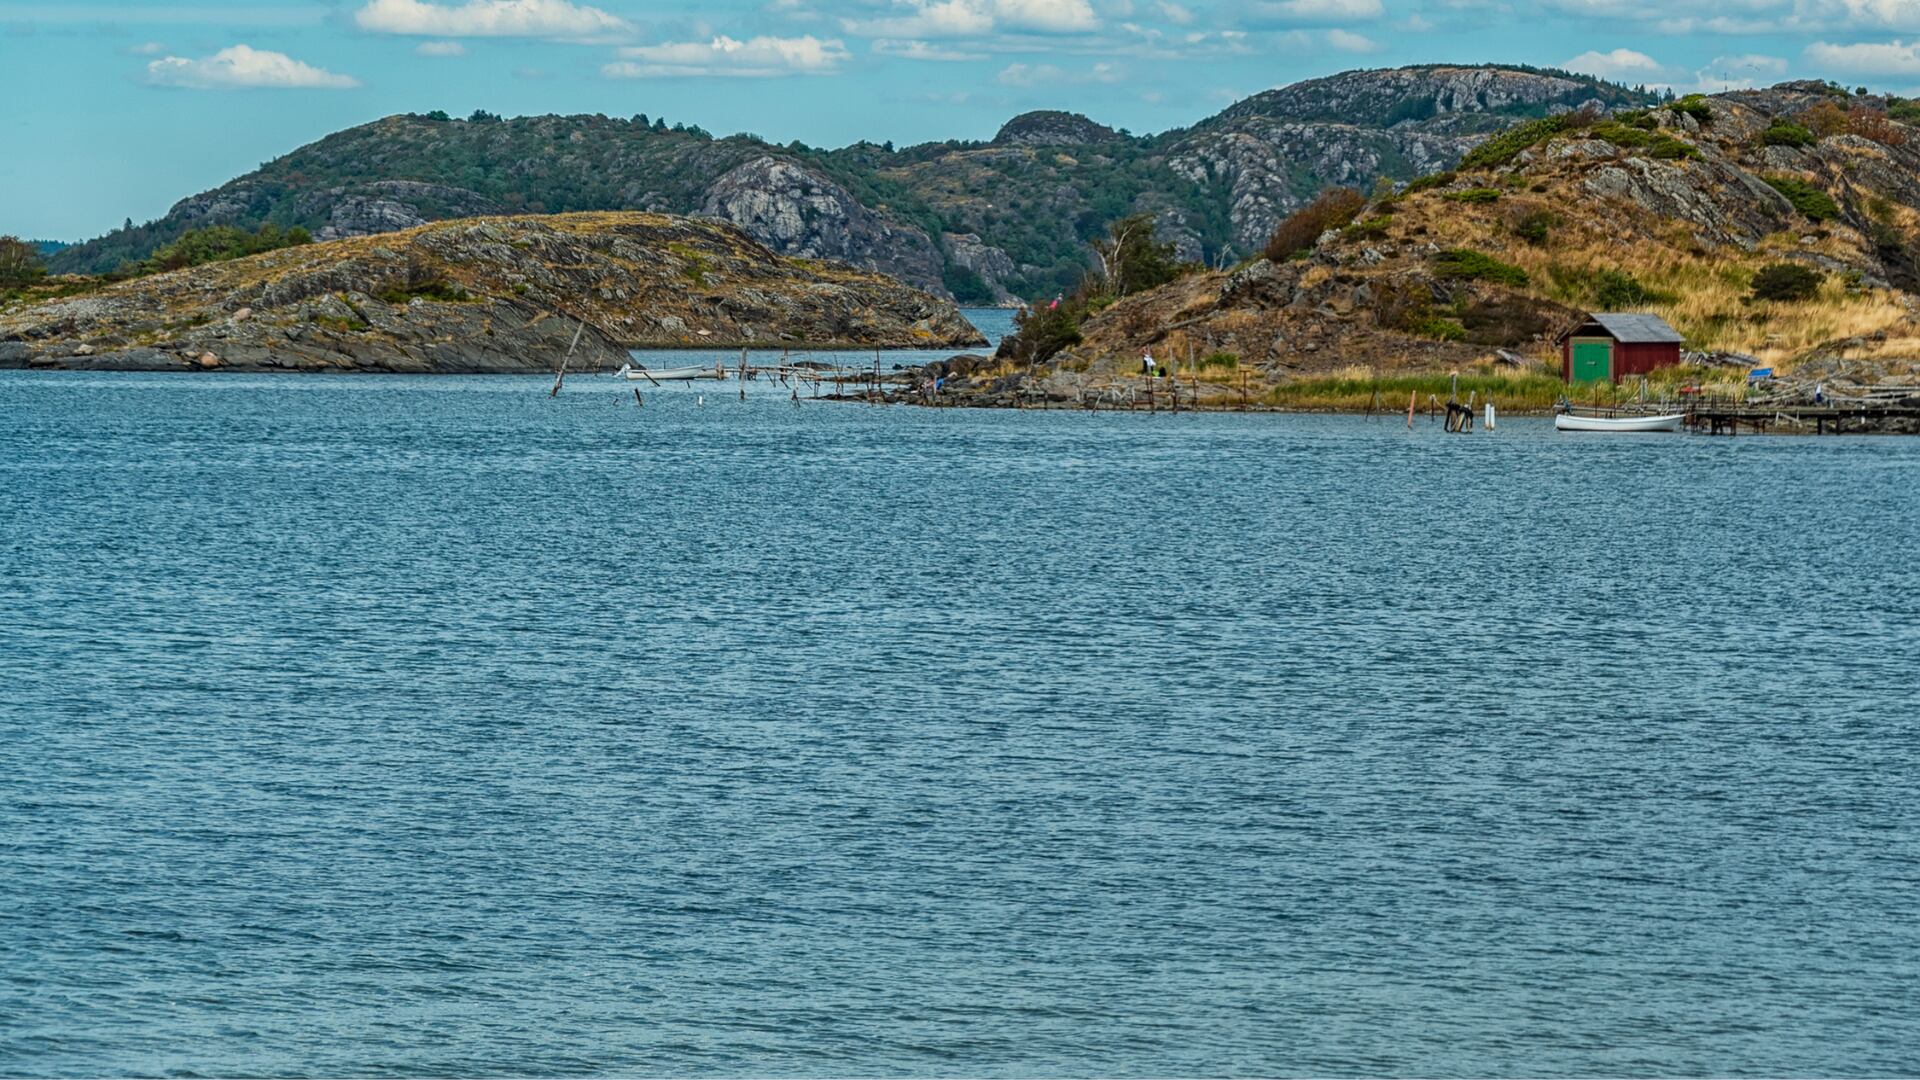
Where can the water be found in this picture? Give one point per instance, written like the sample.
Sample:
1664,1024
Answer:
993,323
395,725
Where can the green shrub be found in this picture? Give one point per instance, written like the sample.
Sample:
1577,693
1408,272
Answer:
1475,196
1469,265
1511,143
1428,182
1905,110
1373,228
1534,226
1786,281
1620,134
1615,289
1817,205
1221,360
1787,133
1694,105
1668,148
1441,328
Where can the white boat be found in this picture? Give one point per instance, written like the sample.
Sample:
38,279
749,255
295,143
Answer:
1570,422
679,374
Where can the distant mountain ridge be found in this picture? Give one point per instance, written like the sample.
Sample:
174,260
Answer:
984,222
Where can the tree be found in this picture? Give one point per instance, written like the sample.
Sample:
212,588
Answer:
19,262
1131,260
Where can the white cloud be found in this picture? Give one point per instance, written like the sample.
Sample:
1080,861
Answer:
976,18
1316,12
921,50
1867,58
147,48
760,57
489,18
243,67
1618,64
1348,41
441,48
1036,74
1173,13
1738,73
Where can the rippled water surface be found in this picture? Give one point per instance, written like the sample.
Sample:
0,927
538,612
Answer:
428,725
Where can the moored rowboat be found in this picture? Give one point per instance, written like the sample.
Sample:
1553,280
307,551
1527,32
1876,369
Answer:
680,374
1570,422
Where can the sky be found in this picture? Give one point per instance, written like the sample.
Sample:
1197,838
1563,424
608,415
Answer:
117,110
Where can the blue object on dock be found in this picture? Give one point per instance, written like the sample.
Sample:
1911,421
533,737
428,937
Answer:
1759,373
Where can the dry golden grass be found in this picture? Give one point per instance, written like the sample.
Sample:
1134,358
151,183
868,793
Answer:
1710,285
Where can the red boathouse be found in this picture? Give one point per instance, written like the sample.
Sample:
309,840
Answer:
1611,346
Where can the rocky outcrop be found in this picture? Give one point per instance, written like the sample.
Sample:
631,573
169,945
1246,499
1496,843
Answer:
1673,211
798,212
480,295
995,267
1052,128
389,206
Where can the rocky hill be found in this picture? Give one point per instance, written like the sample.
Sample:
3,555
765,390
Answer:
1674,210
480,295
984,222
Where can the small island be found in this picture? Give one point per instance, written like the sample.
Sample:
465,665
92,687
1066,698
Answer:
495,294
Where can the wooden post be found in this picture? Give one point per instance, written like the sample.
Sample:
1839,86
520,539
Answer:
1243,390
1412,396
560,376
637,403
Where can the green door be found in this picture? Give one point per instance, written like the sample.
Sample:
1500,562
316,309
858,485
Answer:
1592,360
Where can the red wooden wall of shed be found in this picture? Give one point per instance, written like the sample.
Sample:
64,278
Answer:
1638,358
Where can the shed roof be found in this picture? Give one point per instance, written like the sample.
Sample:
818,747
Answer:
1636,329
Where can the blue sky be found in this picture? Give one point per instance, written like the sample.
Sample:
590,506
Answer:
116,110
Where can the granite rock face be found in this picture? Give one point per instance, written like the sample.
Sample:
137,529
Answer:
796,211
480,295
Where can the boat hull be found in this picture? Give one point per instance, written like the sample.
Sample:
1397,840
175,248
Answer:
1618,424
668,374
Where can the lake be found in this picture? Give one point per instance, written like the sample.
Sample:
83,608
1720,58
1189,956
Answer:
427,725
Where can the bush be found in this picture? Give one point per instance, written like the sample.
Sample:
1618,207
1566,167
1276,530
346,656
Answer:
1373,228
1694,105
1334,209
1786,281
1615,289
1872,124
1475,196
1817,205
1221,360
1787,133
1041,331
1441,328
1668,148
1438,180
1824,120
1468,265
1534,226
1516,140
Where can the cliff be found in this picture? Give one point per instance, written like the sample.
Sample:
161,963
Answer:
480,295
